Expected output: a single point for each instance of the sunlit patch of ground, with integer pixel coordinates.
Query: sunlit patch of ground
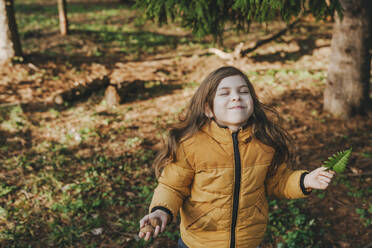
(81, 171)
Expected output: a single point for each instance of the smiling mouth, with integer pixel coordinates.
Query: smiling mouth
(237, 107)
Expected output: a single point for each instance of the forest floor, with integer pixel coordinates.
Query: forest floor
(78, 173)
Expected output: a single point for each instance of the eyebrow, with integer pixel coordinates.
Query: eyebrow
(227, 88)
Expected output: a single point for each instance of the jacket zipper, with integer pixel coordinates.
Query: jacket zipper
(236, 187)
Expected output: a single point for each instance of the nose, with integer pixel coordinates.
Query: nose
(235, 97)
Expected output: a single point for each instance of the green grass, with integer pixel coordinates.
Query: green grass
(52, 195)
(68, 199)
(109, 29)
(62, 198)
(291, 226)
(285, 76)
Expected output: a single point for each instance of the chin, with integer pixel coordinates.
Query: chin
(239, 121)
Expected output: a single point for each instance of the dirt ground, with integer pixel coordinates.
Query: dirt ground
(289, 74)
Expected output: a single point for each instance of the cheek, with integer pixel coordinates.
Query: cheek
(218, 102)
(249, 100)
(250, 106)
(218, 109)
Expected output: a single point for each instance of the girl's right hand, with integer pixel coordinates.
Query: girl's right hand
(160, 215)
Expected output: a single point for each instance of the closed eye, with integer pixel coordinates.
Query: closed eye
(223, 93)
(244, 89)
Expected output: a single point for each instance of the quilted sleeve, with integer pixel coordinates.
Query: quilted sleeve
(286, 183)
(174, 185)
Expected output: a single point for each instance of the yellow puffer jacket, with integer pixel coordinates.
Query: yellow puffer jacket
(218, 183)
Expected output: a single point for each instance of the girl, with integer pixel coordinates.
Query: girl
(220, 164)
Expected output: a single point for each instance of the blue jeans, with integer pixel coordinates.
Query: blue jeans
(181, 244)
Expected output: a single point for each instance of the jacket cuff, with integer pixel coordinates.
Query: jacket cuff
(165, 210)
(302, 185)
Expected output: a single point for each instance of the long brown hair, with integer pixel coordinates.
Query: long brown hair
(194, 119)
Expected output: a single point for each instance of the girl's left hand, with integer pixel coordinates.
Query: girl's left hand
(318, 178)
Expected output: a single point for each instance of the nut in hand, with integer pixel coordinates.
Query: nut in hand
(147, 228)
(155, 222)
(151, 228)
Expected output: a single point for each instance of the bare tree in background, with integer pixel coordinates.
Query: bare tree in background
(62, 13)
(10, 44)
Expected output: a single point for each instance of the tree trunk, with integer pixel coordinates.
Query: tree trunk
(10, 44)
(347, 89)
(62, 13)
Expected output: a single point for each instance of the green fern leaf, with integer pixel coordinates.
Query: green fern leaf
(338, 161)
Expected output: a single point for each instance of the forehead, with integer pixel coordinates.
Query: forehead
(232, 82)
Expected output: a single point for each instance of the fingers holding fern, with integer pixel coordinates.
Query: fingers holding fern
(319, 178)
(338, 161)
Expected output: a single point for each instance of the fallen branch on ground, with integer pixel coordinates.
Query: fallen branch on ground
(271, 38)
(81, 91)
(238, 49)
(368, 173)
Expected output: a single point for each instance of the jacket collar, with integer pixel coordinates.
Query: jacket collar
(224, 134)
